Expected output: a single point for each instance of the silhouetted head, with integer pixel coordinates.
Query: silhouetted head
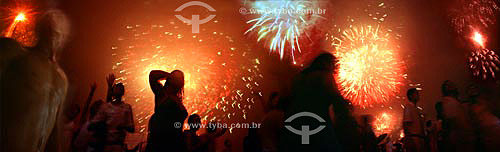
(118, 90)
(176, 81)
(413, 95)
(449, 89)
(324, 62)
(194, 122)
(273, 98)
(94, 108)
(52, 29)
(473, 90)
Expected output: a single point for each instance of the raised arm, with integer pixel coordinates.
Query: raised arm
(154, 77)
(83, 118)
(111, 81)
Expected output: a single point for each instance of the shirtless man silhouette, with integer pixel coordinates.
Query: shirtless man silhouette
(33, 87)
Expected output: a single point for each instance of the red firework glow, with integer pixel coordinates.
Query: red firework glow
(482, 61)
(370, 71)
(22, 27)
(21, 17)
(220, 75)
(466, 13)
(383, 124)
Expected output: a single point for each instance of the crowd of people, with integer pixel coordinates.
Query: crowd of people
(108, 122)
(463, 123)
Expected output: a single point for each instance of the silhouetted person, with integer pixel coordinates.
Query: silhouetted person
(86, 139)
(413, 123)
(168, 111)
(193, 141)
(118, 117)
(99, 133)
(227, 146)
(272, 123)
(313, 90)
(84, 135)
(9, 50)
(486, 124)
(345, 125)
(368, 137)
(69, 126)
(432, 135)
(33, 87)
(460, 131)
(270, 103)
(251, 142)
(442, 129)
(211, 135)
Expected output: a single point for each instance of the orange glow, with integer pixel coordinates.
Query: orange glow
(20, 17)
(21, 28)
(370, 71)
(220, 75)
(383, 124)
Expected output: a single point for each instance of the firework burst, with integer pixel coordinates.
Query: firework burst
(20, 17)
(21, 27)
(282, 23)
(383, 123)
(370, 71)
(482, 61)
(469, 13)
(220, 75)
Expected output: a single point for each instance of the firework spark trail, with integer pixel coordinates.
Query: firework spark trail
(478, 13)
(370, 71)
(220, 76)
(282, 23)
(482, 61)
(22, 26)
(473, 16)
(21, 17)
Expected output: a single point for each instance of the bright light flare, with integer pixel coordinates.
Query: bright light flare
(478, 39)
(370, 71)
(20, 17)
(21, 27)
(282, 23)
(383, 123)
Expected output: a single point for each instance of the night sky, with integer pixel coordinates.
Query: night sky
(432, 50)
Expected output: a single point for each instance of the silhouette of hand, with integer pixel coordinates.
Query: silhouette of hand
(111, 80)
(93, 86)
